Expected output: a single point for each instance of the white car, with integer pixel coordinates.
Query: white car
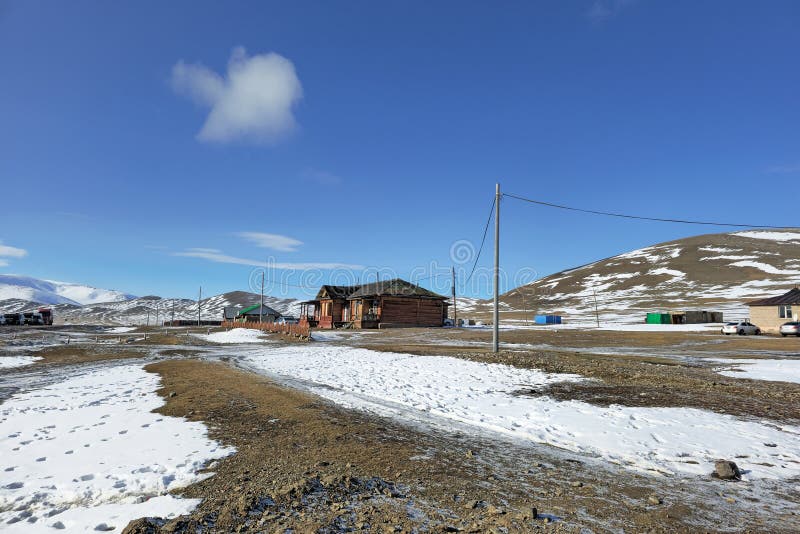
(791, 328)
(742, 328)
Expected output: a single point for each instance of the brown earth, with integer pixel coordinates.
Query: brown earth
(309, 466)
(305, 465)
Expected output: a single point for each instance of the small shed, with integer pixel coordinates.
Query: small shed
(702, 316)
(659, 318)
(547, 319)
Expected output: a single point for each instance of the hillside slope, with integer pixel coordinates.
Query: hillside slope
(709, 272)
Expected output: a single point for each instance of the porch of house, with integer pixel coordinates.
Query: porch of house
(340, 313)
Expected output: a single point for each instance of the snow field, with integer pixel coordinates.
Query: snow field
(773, 370)
(87, 454)
(235, 335)
(7, 362)
(665, 440)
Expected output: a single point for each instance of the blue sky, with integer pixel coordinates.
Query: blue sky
(155, 146)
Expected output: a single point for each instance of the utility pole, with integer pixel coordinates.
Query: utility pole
(173, 312)
(156, 323)
(148, 317)
(596, 313)
(496, 317)
(455, 310)
(261, 308)
(199, 298)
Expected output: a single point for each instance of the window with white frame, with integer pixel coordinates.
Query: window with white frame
(785, 312)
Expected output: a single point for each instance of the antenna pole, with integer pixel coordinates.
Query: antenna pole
(199, 298)
(455, 310)
(496, 313)
(261, 308)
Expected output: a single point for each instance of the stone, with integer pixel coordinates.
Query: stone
(655, 501)
(726, 470)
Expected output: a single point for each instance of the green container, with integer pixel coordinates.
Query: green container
(659, 318)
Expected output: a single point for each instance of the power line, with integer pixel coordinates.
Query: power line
(625, 216)
(478, 256)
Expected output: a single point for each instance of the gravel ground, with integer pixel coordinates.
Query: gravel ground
(305, 465)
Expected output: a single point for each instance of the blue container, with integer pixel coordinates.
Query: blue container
(547, 319)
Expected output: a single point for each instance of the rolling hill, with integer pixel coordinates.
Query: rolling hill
(707, 272)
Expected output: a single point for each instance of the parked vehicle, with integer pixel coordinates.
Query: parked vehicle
(743, 328)
(14, 318)
(792, 328)
(47, 315)
(287, 319)
(33, 318)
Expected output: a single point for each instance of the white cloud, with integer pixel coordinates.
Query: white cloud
(319, 177)
(218, 256)
(3, 263)
(253, 103)
(12, 252)
(603, 10)
(784, 169)
(281, 243)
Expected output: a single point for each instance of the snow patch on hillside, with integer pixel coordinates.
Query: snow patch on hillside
(767, 268)
(770, 236)
(53, 292)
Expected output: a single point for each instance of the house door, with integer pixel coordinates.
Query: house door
(346, 311)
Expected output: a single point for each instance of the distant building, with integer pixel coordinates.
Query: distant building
(229, 312)
(770, 313)
(390, 303)
(685, 317)
(251, 314)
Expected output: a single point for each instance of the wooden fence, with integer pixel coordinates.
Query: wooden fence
(300, 330)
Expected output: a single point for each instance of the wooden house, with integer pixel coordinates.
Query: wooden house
(385, 304)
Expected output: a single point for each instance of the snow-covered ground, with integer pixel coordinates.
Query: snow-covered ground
(235, 335)
(87, 454)
(7, 362)
(666, 440)
(774, 370)
(121, 329)
(341, 335)
(620, 326)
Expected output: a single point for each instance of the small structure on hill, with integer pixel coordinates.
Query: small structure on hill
(390, 303)
(770, 313)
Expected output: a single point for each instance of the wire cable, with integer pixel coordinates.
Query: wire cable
(480, 249)
(625, 216)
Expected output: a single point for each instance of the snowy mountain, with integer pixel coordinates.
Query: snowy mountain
(153, 309)
(708, 272)
(53, 292)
